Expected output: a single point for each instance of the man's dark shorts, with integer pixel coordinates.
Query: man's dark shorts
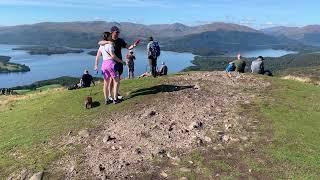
(119, 68)
(131, 67)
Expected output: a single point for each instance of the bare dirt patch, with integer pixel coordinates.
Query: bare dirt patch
(190, 111)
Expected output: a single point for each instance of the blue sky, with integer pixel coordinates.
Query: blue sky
(254, 13)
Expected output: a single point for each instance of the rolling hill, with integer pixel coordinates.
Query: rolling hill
(210, 38)
(307, 34)
(221, 41)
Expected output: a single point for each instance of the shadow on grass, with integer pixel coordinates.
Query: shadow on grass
(157, 89)
(96, 104)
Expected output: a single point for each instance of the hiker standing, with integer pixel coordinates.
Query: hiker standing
(153, 50)
(239, 64)
(257, 67)
(108, 68)
(130, 63)
(118, 45)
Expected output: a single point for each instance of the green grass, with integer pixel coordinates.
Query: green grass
(313, 73)
(295, 114)
(43, 117)
(30, 130)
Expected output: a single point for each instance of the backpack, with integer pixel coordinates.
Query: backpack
(154, 49)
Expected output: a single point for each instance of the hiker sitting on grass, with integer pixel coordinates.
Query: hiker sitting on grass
(163, 70)
(87, 80)
(239, 64)
(257, 67)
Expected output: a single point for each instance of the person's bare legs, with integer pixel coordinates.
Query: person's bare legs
(116, 83)
(106, 89)
(111, 84)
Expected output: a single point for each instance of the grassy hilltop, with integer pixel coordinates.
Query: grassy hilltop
(278, 122)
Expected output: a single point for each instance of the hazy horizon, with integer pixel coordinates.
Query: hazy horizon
(157, 24)
(257, 14)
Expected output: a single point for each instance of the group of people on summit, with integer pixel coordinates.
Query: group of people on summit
(239, 65)
(113, 64)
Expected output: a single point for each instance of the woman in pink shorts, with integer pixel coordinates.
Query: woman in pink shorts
(107, 68)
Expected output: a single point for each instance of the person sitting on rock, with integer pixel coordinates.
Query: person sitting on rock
(239, 64)
(257, 67)
(230, 68)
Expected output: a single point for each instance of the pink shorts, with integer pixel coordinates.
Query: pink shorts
(107, 69)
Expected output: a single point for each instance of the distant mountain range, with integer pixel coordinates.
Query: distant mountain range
(307, 34)
(203, 39)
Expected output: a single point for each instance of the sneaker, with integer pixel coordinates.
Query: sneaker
(120, 97)
(108, 101)
(110, 98)
(117, 101)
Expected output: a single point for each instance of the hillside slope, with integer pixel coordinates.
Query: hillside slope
(192, 125)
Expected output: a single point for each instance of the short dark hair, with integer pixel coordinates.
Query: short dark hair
(150, 38)
(114, 29)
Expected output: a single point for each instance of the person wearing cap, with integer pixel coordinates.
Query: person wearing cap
(130, 63)
(118, 44)
(239, 64)
(257, 67)
(163, 69)
(86, 79)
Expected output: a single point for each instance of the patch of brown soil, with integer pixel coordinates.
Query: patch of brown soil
(197, 110)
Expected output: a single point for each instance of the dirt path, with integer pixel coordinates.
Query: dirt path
(191, 111)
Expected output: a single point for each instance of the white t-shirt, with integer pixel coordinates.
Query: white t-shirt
(106, 51)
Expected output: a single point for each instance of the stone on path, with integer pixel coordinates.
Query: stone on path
(37, 176)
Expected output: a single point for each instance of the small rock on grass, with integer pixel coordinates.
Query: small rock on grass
(164, 174)
(183, 178)
(195, 125)
(84, 133)
(183, 169)
(207, 139)
(152, 113)
(37, 176)
(225, 138)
